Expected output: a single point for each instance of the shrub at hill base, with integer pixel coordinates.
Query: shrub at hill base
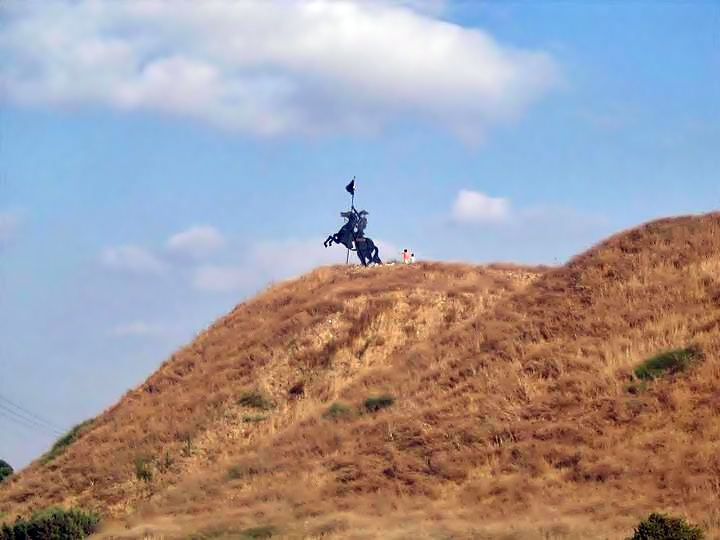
(5, 470)
(52, 524)
(663, 527)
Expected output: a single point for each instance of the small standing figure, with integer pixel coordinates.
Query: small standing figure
(412, 258)
(405, 256)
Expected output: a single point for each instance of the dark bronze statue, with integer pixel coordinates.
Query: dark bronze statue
(352, 236)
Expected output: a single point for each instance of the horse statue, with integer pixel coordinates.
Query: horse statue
(346, 234)
(352, 236)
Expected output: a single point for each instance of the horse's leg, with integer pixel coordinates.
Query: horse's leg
(334, 239)
(360, 247)
(367, 254)
(372, 252)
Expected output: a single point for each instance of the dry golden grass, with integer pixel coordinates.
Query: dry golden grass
(512, 416)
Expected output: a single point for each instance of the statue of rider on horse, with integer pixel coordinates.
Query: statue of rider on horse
(352, 234)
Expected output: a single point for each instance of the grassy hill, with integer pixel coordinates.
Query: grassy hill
(433, 401)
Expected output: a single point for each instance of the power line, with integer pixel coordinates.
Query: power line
(14, 423)
(20, 432)
(29, 427)
(26, 422)
(30, 413)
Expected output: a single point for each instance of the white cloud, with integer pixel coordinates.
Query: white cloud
(219, 278)
(277, 260)
(268, 68)
(140, 329)
(196, 242)
(476, 207)
(268, 261)
(132, 258)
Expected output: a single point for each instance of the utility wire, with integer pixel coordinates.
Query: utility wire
(15, 422)
(30, 413)
(9, 414)
(27, 422)
(19, 432)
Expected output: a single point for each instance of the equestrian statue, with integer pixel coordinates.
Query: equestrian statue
(352, 233)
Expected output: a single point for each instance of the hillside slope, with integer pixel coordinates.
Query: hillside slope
(516, 413)
(298, 345)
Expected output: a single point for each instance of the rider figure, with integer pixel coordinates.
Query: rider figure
(361, 222)
(350, 225)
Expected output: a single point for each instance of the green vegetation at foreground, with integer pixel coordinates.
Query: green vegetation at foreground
(52, 524)
(664, 527)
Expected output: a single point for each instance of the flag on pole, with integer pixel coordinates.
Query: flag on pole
(350, 188)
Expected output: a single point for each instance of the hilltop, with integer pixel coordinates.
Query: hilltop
(439, 400)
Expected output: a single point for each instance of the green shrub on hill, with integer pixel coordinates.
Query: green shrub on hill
(143, 468)
(664, 527)
(668, 362)
(374, 404)
(267, 531)
(5, 470)
(63, 442)
(260, 532)
(234, 472)
(52, 524)
(256, 401)
(337, 411)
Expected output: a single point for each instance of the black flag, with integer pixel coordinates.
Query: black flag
(350, 188)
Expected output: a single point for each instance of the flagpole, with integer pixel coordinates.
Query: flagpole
(352, 205)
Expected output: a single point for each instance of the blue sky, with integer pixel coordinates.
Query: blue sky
(159, 164)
